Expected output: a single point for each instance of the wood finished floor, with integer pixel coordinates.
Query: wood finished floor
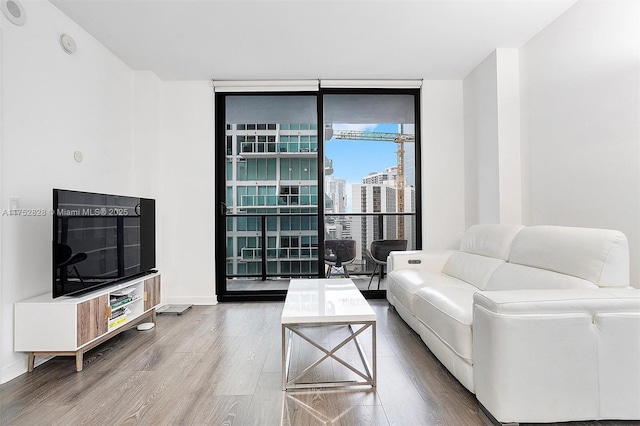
(221, 365)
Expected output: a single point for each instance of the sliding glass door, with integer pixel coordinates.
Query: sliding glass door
(289, 181)
(373, 188)
(270, 205)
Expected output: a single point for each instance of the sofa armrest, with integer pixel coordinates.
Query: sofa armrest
(431, 260)
(547, 355)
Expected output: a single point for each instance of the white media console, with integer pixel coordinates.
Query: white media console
(70, 325)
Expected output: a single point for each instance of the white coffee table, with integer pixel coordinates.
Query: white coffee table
(327, 302)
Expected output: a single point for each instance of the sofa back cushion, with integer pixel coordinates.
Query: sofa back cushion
(510, 276)
(482, 249)
(472, 268)
(600, 256)
(490, 240)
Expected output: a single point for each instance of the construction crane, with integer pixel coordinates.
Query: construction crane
(398, 138)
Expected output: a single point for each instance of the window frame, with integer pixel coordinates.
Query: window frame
(220, 184)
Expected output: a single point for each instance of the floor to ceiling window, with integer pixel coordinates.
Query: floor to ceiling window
(370, 142)
(281, 156)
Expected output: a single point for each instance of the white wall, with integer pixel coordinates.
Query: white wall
(509, 151)
(580, 84)
(187, 171)
(482, 197)
(53, 104)
(492, 140)
(4, 339)
(147, 110)
(443, 173)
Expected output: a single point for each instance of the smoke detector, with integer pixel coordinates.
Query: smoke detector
(68, 43)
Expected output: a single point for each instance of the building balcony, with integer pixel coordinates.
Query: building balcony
(263, 149)
(278, 201)
(281, 254)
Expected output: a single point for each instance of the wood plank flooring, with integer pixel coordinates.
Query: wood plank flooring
(221, 365)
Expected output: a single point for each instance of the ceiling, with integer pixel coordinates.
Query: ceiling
(310, 39)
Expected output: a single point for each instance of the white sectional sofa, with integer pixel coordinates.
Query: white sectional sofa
(539, 322)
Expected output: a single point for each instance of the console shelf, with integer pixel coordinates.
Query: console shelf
(71, 325)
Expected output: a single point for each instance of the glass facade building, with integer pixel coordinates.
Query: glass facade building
(271, 169)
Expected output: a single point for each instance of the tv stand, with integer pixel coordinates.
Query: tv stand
(70, 326)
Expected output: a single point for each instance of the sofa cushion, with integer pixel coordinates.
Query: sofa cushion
(407, 281)
(597, 255)
(490, 240)
(557, 301)
(509, 276)
(471, 268)
(447, 310)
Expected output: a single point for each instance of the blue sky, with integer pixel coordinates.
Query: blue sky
(354, 160)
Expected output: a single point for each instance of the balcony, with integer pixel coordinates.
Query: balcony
(278, 200)
(281, 149)
(304, 251)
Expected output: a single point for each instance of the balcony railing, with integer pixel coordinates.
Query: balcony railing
(303, 261)
(278, 147)
(298, 253)
(278, 200)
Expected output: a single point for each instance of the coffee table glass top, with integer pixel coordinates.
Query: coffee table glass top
(325, 300)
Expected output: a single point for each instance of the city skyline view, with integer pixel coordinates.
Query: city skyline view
(354, 160)
(347, 154)
(272, 169)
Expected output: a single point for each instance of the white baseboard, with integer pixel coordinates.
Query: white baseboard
(19, 368)
(11, 371)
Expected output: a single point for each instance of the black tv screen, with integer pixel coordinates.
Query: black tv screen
(100, 239)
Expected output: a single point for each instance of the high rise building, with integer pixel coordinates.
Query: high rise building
(336, 190)
(388, 175)
(371, 198)
(271, 168)
(337, 227)
(379, 198)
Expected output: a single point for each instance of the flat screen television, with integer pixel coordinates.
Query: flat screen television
(100, 239)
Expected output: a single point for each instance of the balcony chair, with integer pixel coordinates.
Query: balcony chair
(379, 251)
(338, 254)
(66, 259)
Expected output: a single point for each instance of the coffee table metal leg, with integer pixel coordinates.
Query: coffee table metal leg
(361, 352)
(286, 354)
(284, 357)
(369, 375)
(374, 346)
